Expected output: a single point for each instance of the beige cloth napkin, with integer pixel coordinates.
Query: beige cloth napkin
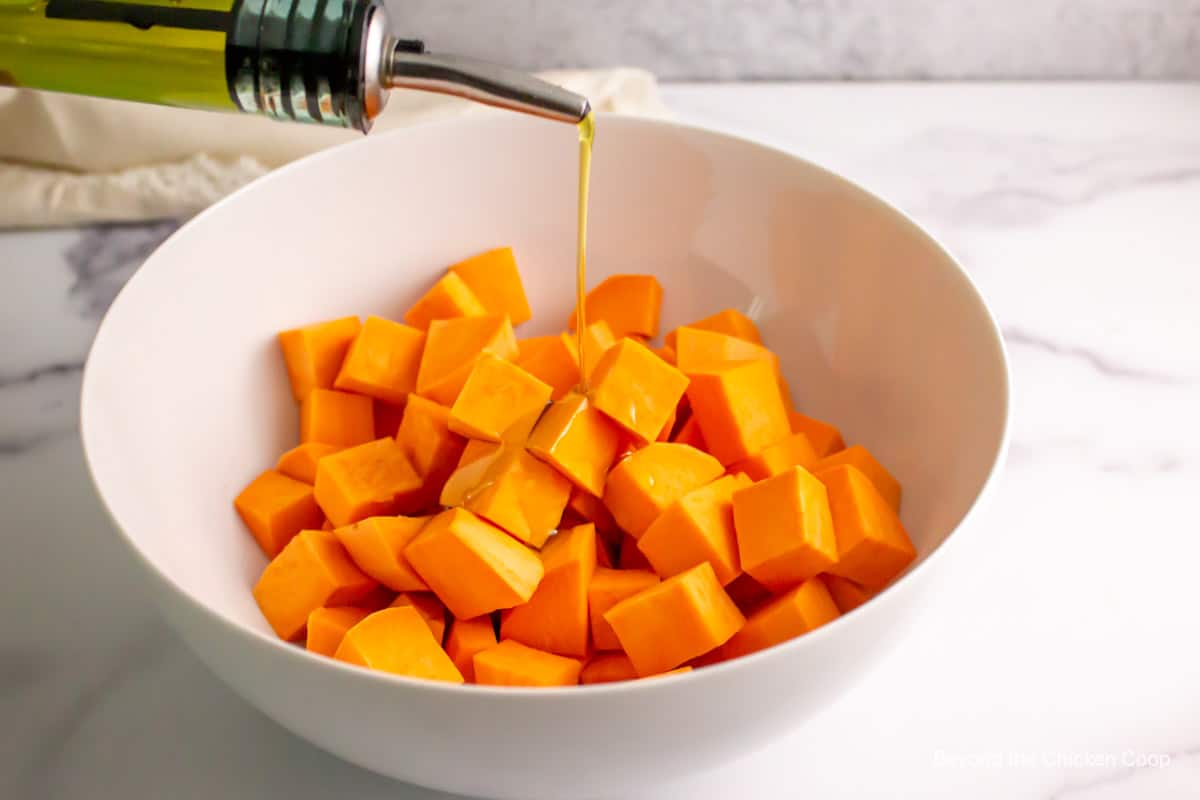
(66, 160)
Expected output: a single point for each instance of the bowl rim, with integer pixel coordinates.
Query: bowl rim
(301, 655)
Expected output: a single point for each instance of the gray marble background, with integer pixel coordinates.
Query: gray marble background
(834, 39)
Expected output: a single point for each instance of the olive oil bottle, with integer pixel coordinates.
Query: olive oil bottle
(320, 61)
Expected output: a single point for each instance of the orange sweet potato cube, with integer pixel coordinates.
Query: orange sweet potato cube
(628, 446)
(686, 668)
(697, 527)
(429, 607)
(607, 588)
(613, 667)
(382, 361)
(510, 488)
(696, 349)
(604, 551)
(387, 418)
(493, 277)
(671, 622)
(665, 434)
(474, 451)
(578, 441)
(861, 459)
(313, 354)
(848, 595)
(640, 487)
(382, 597)
(477, 468)
(555, 618)
(449, 298)
(453, 346)
(597, 340)
(431, 447)
(785, 392)
(792, 451)
(630, 557)
(708, 659)
(398, 640)
(336, 418)
(873, 547)
(730, 321)
(300, 463)
(376, 544)
(689, 433)
(637, 389)
(311, 571)
(747, 593)
(825, 438)
(327, 627)
(608, 668)
(511, 663)
(275, 508)
(522, 495)
(630, 304)
(667, 353)
(795, 612)
(738, 407)
(590, 508)
(371, 480)
(550, 359)
(466, 638)
(784, 529)
(474, 567)
(500, 402)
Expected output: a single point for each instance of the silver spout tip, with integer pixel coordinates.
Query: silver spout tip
(484, 83)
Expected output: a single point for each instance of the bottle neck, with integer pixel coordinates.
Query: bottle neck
(314, 61)
(328, 62)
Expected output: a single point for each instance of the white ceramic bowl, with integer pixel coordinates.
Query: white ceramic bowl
(185, 400)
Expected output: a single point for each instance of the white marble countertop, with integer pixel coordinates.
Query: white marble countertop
(854, 39)
(1065, 660)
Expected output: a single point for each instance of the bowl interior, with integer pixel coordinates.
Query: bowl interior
(186, 399)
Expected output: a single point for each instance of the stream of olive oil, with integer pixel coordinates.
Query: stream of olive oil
(469, 482)
(587, 132)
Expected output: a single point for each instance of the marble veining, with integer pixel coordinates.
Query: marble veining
(106, 256)
(1029, 179)
(1130, 782)
(39, 397)
(1067, 643)
(1017, 337)
(41, 400)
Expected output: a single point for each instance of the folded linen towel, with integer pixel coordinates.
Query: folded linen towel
(67, 160)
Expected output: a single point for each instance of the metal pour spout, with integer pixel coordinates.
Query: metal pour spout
(480, 81)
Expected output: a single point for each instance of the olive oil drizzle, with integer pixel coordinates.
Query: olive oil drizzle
(469, 482)
(587, 132)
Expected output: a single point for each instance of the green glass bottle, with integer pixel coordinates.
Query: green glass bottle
(319, 61)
